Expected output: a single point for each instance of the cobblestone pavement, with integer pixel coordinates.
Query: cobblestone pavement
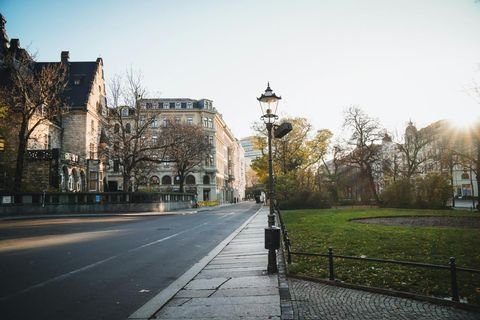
(311, 300)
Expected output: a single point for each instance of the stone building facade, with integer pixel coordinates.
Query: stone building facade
(66, 154)
(221, 177)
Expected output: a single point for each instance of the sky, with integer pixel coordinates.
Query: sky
(399, 61)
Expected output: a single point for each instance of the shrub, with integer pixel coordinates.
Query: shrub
(430, 192)
(305, 200)
(399, 194)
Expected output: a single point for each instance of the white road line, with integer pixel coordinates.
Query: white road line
(90, 266)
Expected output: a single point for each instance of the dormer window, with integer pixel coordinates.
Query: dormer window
(189, 105)
(177, 105)
(125, 112)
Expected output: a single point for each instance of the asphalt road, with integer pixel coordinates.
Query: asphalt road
(102, 267)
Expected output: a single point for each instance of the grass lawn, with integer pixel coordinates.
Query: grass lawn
(317, 230)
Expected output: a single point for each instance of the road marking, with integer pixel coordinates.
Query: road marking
(166, 238)
(156, 303)
(95, 264)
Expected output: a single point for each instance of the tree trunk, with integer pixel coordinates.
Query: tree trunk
(126, 181)
(22, 148)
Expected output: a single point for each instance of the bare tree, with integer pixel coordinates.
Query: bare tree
(33, 96)
(412, 150)
(364, 143)
(133, 130)
(331, 171)
(189, 147)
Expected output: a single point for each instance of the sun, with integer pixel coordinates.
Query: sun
(464, 121)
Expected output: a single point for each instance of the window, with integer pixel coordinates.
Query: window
(177, 105)
(210, 123)
(205, 122)
(92, 126)
(92, 181)
(154, 123)
(165, 105)
(189, 120)
(172, 105)
(206, 179)
(93, 175)
(154, 140)
(124, 112)
(149, 105)
(209, 161)
(189, 105)
(166, 180)
(128, 128)
(210, 140)
(142, 121)
(45, 141)
(92, 151)
(77, 82)
(165, 122)
(190, 180)
(465, 176)
(154, 180)
(2, 144)
(116, 128)
(177, 119)
(184, 105)
(116, 165)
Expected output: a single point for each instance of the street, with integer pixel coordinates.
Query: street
(102, 267)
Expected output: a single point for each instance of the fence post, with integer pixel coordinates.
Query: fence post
(453, 278)
(287, 243)
(330, 264)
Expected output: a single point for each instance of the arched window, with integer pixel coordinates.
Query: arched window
(128, 128)
(166, 180)
(190, 180)
(116, 129)
(154, 180)
(206, 179)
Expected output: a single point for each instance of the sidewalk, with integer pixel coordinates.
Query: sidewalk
(232, 285)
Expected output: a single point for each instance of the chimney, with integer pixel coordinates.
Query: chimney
(65, 56)
(14, 44)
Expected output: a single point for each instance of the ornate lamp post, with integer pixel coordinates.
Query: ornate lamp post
(269, 104)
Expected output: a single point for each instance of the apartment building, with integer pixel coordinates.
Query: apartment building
(220, 177)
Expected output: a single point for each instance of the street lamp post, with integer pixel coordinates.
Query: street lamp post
(269, 103)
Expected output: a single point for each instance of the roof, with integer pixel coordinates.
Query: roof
(80, 80)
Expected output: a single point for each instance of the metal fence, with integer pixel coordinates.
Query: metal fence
(331, 256)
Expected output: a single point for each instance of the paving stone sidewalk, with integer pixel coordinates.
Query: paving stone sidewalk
(311, 300)
(234, 285)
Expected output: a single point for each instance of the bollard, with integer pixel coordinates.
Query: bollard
(330, 264)
(453, 278)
